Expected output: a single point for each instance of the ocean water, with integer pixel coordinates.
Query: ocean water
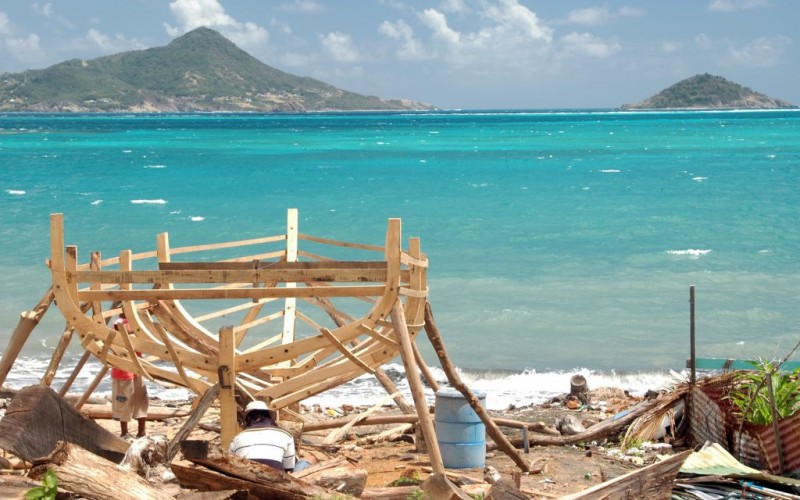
(558, 241)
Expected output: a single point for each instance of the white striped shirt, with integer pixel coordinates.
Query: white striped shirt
(269, 445)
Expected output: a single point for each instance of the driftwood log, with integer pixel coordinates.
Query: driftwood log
(93, 477)
(103, 412)
(224, 471)
(38, 418)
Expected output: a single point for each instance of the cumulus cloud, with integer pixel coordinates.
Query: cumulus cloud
(760, 53)
(592, 16)
(340, 47)
(453, 6)
(306, 6)
(24, 48)
(734, 5)
(586, 44)
(410, 48)
(107, 44)
(191, 14)
(596, 16)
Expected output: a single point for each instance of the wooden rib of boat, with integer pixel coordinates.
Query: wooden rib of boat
(291, 323)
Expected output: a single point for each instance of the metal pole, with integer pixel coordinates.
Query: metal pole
(692, 353)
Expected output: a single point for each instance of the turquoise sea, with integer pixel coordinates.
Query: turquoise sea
(558, 240)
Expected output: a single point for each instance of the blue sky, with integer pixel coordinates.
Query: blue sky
(471, 54)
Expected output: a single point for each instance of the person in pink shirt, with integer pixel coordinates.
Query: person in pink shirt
(128, 393)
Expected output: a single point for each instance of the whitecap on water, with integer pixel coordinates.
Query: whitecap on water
(196, 218)
(97, 202)
(15, 192)
(158, 201)
(690, 252)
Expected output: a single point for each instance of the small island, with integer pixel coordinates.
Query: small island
(708, 92)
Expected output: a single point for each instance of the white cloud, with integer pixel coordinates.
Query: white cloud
(306, 6)
(515, 19)
(5, 24)
(586, 44)
(24, 48)
(411, 48)
(437, 22)
(45, 10)
(592, 16)
(340, 47)
(192, 14)
(453, 6)
(760, 53)
(704, 41)
(734, 5)
(669, 47)
(109, 45)
(631, 12)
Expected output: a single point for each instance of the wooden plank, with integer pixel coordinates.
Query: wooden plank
(736, 364)
(206, 401)
(227, 244)
(346, 352)
(227, 293)
(215, 275)
(336, 243)
(276, 265)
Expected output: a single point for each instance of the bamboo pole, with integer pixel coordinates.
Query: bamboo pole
(455, 380)
(407, 354)
(27, 322)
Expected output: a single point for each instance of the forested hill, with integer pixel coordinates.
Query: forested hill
(199, 71)
(709, 92)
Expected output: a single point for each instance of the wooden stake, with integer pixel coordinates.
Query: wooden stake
(229, 425)
(27, 322)
(407, 354)
(455, 380)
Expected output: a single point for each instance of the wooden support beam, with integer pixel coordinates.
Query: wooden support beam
(27, 322)
(205, 403)
(455, 380)
(406, 353)
(231, 293)
(229, 424)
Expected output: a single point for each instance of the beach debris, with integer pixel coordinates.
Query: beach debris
(147, 456)
(653, 481)
(569, 425)
(38, 418)
(338, 474)
(579, 389)
(215, 469)
(92, 477)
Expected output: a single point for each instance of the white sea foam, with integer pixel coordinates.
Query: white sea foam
(690, 252)
(127, 151)
(155, 166)
(158, 201)
(610, 171)
(699, 179)
(196, 218)
(15, 192)
(97, 202)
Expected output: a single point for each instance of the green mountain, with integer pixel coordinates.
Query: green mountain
(708, 92)
(199, 71)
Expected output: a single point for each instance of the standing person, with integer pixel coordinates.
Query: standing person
(128, 393)
(264, 442)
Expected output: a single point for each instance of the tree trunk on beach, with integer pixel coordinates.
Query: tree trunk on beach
(93, 477)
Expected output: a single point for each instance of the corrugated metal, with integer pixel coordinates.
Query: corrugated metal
(707, 422)
(711, 420)
(789, 429)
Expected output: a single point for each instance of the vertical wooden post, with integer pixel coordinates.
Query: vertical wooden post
(226, 369)
(692, 352)
(290, 303)
(414, 382)
(775, 428)
(75, 371)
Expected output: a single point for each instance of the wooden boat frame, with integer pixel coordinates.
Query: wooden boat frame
(174, 347)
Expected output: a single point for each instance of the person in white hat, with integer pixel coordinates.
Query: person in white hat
(264, 442)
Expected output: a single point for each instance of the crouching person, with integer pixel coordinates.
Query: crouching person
(264, 442)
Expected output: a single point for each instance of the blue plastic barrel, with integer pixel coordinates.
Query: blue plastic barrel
(460, 433)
